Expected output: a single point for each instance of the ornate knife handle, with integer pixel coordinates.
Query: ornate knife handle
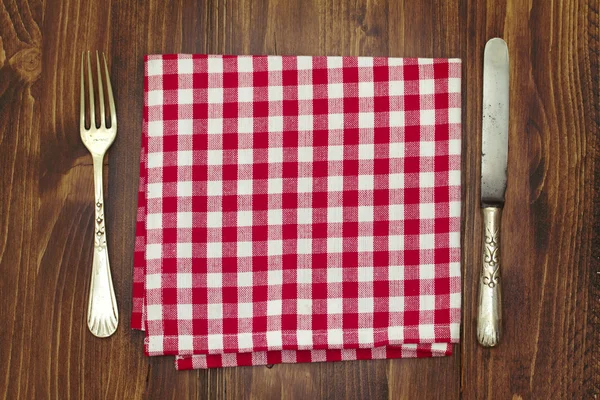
(103, 316)
(489, 319)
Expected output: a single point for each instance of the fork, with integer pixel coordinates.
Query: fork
(102, 315)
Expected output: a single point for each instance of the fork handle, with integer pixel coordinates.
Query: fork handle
(103, 315)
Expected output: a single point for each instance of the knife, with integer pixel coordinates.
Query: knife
(494, 158)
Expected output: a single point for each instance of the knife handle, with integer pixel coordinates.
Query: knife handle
(489, 319)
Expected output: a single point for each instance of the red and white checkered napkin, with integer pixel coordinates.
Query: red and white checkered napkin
(298, 209)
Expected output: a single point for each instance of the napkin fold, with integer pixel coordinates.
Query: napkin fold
(298, 209)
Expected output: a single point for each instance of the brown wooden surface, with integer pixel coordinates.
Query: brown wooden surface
(551, 221)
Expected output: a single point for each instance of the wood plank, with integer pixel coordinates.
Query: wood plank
(19, 115)
(592, 93)
(547, 228)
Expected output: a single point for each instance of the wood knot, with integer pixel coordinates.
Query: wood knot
(359, 17)
(2, 53)
(538, 167)
(370, 30)
(27, 64)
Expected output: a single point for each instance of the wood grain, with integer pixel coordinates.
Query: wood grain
(551, 240)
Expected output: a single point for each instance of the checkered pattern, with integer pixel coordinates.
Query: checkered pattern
(298, 209)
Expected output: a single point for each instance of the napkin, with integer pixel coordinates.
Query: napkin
(298, 209)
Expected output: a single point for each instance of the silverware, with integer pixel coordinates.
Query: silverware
(103, 316)
(494, 158)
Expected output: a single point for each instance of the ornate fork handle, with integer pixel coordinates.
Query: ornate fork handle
(103, 317)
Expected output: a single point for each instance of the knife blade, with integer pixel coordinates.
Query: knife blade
(494, 161)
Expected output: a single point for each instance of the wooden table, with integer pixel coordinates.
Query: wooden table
(551, 222)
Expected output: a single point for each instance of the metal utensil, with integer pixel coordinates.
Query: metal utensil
(494, 157)
(103, 316)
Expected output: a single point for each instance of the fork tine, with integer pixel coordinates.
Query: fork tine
(111, 99)
(82, 97)
(91, 93)
(101, 93)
